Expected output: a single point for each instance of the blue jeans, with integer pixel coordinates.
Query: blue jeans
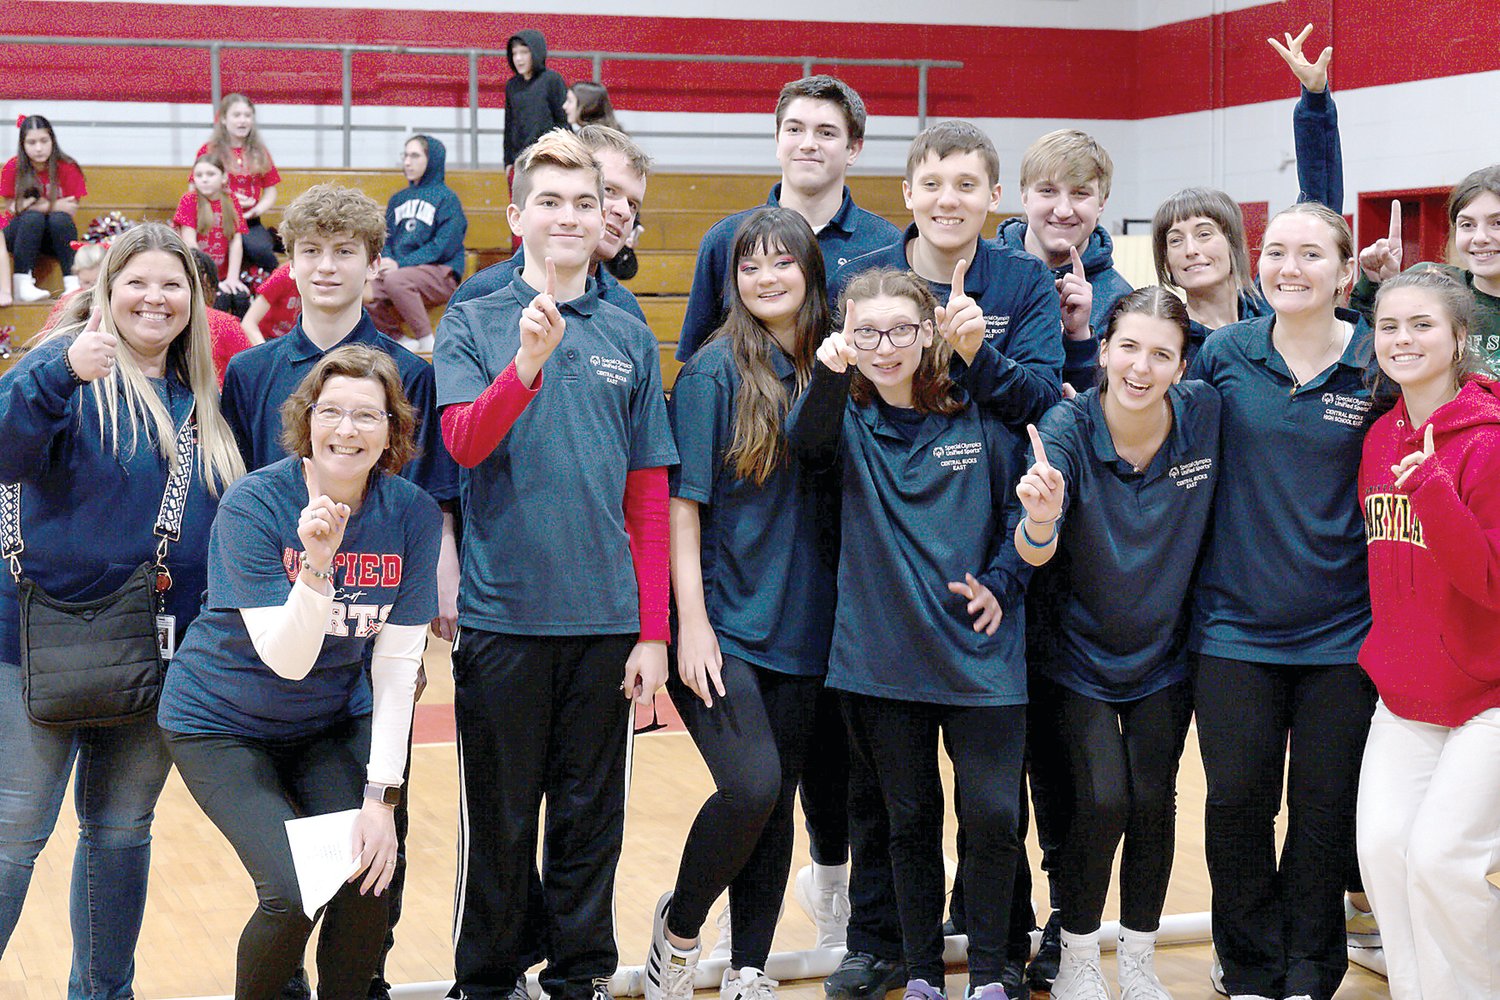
(121, 771)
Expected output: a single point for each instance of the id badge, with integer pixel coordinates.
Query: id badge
(166, 636)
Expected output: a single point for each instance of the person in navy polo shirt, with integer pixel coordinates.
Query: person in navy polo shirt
(753, 537)
(820, 130)
(1120, 494)
(929, 629)
(335, 234)
(553, 405)
(626, 167)
(1281, 608)
(318, 563)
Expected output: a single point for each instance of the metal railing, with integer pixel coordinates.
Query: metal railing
(597, 58)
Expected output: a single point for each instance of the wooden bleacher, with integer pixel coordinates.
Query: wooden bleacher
(678, 210)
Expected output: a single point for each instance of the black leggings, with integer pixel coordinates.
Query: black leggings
(249, 789)
(259, 247)
(31, 234)
(825, 783)
(899, 740)
(754, 740)
(1122, 758)
(1279, 926)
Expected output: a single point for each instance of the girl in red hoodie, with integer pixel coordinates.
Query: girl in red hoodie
(1429, 793)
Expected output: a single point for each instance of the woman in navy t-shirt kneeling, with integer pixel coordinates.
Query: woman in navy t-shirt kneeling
(318, 564)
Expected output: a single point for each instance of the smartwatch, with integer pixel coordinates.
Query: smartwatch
(388, 794)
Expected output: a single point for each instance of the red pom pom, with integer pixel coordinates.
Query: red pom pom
(20, 120)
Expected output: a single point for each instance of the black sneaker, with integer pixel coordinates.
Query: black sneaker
(862, 976)
(1043, 968)
(1013, 978)
(379, 990)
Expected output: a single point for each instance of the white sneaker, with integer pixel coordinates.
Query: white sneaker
(826, 906)
(1136, 968)
(723, 947)
(25, 289)
(669, 970)
(1079, 976)
(748, 984)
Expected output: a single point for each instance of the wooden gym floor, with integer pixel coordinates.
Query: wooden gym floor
(200, 896)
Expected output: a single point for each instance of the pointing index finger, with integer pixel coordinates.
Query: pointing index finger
(1395, 232)
(960, 272)
(310, 473)
(551, 289)
(849, 320)
(1077, 263)
(1036, 446)
(1427, 439)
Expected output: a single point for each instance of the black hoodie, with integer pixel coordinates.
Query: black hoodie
(535, 106)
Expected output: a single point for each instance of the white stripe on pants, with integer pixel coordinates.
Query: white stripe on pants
(1429, 832)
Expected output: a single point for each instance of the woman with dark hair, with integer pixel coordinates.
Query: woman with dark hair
(95, 418)
(318, 564)
(588, 103)
(1119, 494)
(753, 581)
(44, 186)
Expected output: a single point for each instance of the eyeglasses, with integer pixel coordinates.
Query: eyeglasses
(867, 338)
(329, 415)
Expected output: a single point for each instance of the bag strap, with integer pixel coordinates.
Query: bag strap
(168, 526)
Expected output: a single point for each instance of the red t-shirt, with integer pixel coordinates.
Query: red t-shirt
(280, 290)
(240, 181)
(214, 242)
(69, 177)
(229, 339)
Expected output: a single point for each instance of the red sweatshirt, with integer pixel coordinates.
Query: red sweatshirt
(1434, 547)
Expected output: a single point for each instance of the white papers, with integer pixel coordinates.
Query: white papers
(323, 855)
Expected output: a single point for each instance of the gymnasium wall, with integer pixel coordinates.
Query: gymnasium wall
(1181, 91)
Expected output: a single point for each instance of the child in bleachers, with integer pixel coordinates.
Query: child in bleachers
(252, 175)
(44, 186)
(229, 339)
(588, 103)
(86, 262)
(208, 220)
(274, 310)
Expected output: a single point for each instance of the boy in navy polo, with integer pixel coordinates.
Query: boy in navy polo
(1065, 180)
(626, 167)
(334, 235)
(820, 130)
(952, 183)
(552, 403)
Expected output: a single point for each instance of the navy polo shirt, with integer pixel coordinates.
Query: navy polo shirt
(1251, 306)
(1128, 544)
(385, 573)
(1283, 577)
(852, 232)
(1022, 321)
(921, 507)
(545, 550)
(497, 276)
(88, 508)
(768, 570)
(259, 380)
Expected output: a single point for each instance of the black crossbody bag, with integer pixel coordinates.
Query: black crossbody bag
(99, 662)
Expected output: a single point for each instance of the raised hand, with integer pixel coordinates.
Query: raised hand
(837, 349)
(1381, 260)
(92, 353)
(961, 321)
(542, 328)
(1077, 299)
(321, 526)
(1314, 75)
(983, 605)
(1041, 489)
(1408, 465)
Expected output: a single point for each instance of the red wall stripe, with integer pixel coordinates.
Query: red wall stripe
(1219, 61)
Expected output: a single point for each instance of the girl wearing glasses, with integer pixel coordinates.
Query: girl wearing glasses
(928, 633)
(1117, 502)
(752, 573)
(319, 562)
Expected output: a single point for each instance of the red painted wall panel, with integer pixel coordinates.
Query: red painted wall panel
(1009, 72)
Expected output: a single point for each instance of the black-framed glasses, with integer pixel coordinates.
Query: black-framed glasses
(867, 338)
(363, 418)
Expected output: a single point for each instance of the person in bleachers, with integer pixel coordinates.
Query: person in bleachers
(423, 258)
(43, 186)
(588, 103)
(252, 175)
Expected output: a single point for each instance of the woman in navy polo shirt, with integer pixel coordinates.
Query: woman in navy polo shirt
(318, 563)
(1282, 606)
(753, 577)
(928, 640)
(1133, 466)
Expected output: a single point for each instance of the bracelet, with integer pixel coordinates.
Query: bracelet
(68, 364)
(1032, 541)
(324, 574)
